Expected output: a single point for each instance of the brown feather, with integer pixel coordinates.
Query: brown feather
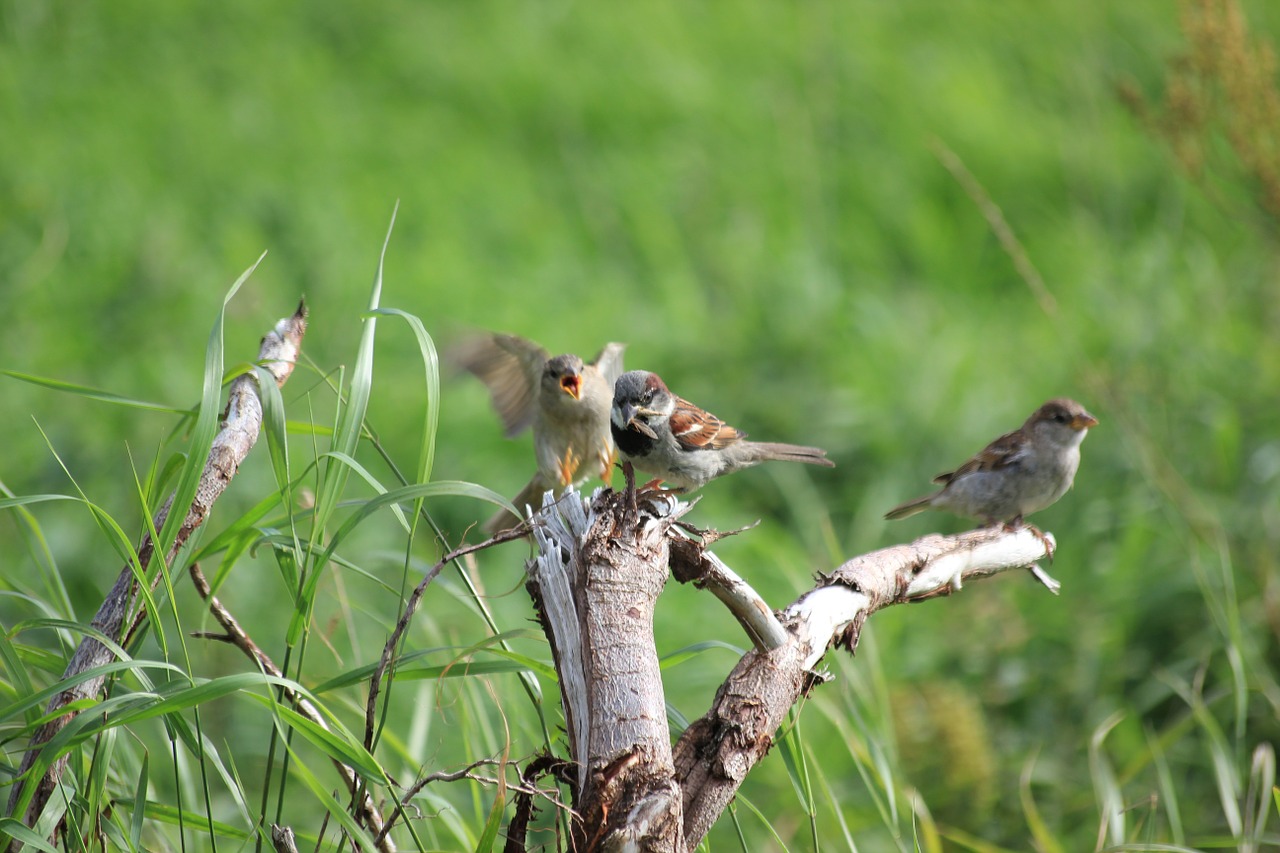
(510, 367)
(696, 429)
(998, 454)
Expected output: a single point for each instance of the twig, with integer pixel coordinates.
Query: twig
(518, 828)
(282, 839)
(716, 752)
(236, 636)
(691, 562)
(411, 606)
(467, 772)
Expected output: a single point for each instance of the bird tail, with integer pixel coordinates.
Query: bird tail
(766, 450)
(909, 508)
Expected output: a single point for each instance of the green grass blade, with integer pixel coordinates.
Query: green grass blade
(335, 743)
(206, 423)
(372, 481)
(94, 393)
(273, 423)
(1106, 789)
(18, 679)
(493, 825)
(682, 655)
(1168, 793)
(39, 699)
(15, 829)
(38, 546)
(337, 811)
(1262, 778)
(791, 745)
(973, 844)
(352, 412)
(139, 798)
(1045, 840)
(172, 816)
(751, 807)
(404, 494)
(431, 380)
(837, 807)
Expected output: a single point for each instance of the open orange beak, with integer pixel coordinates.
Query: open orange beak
(572, 386)
(1084, 421)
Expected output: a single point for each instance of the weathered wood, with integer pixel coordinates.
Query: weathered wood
(600, 569)
(717, 751)
(596, 581)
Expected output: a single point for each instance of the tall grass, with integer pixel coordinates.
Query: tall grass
(754, 202)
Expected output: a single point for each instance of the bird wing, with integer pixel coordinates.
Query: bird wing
(511, 368)
(1006, 450)
(609, 362)
(696, 429)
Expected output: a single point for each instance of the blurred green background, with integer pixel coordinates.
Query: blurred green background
(752, 197)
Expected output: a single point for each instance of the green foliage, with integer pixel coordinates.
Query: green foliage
(757, 199)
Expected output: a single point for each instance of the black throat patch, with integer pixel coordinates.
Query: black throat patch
(632, 442)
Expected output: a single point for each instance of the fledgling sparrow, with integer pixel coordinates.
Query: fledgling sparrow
(565, 400)
(1017, 474)
(679, 443)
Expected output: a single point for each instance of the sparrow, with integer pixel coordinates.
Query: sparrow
(565, 400)
(1017, 474)
(682, 445)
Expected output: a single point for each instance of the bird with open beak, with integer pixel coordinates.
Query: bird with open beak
(564, 399)
(682, 445)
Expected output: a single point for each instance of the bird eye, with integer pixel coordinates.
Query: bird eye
(1060, 417)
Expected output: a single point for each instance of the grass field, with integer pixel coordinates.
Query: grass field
(768, 203)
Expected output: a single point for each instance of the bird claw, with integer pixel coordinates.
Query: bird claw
(1049, 549)
(1016, 523)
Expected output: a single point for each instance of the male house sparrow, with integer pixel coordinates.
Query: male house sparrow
(674, 440)
(1017, 474)
(566, 401)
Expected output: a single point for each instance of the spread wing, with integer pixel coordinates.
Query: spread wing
(609, 362)
(1006, 450)
(511, 368)
(695, 429)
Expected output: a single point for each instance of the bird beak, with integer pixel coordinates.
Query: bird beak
(1084, 421)
(572, 385)
(628, 413)
(642, 427)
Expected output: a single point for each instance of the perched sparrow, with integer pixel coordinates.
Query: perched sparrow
(1018, 473)
(674, 440)
(565, 400)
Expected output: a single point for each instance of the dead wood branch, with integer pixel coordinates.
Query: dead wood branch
(594, 583)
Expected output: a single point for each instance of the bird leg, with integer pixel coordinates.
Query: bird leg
(1017, 523)
(607, 462)
(568, 467)
(629, 492)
